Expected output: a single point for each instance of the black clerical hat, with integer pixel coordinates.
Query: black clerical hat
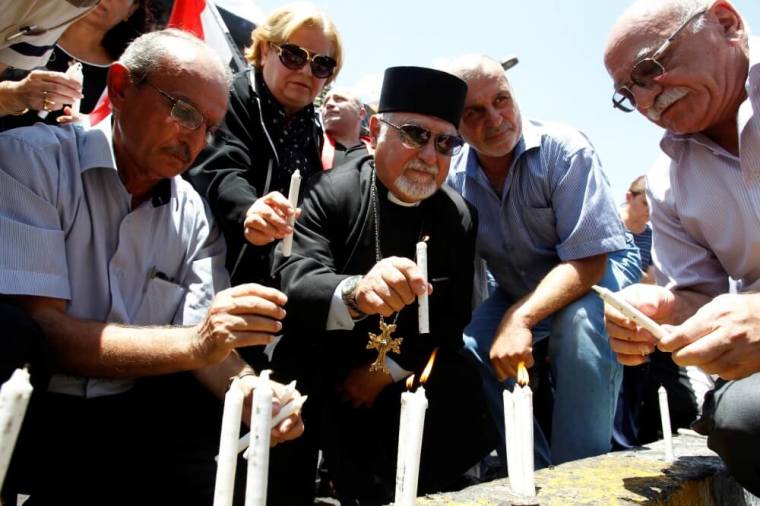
(423, 91)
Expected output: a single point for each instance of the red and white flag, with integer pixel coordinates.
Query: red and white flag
(202, 19)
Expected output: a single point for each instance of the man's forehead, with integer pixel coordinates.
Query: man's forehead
(485, 86)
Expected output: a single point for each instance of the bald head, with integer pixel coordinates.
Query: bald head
(491, 121)
(342, 115)
(681, 63)
(171, 49)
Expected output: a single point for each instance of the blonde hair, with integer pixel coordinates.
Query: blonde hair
(285, 21)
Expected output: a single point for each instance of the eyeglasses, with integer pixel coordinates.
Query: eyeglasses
(415, 137)
(645, 71)
(295, 57)
(185, 113)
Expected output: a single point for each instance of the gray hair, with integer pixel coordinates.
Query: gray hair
(474, 65)
(157, 52)
(385, 116)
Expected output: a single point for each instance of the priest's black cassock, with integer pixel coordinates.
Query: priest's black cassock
(335, 238)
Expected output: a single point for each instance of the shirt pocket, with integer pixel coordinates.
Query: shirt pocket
(160, 302)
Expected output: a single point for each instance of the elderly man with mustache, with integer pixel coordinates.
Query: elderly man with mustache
(549, 229)
(118, 262)
(352, 272)
(692, 68)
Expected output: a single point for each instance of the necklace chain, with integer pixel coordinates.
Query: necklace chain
(376, 216)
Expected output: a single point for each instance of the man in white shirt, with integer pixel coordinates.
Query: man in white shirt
(704, 194)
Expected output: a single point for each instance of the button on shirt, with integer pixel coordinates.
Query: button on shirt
(705, 204)
(555, 206)
(68, 232)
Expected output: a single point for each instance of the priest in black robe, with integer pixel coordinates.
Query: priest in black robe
(352, 267)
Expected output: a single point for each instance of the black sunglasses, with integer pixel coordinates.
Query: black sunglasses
(295, 57)
(415, 137)
(645, 71)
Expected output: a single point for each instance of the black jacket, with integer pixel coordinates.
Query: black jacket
(334, 238)
(239, 167)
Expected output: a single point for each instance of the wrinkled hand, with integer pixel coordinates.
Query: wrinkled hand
(723, 337)
(630, 342)
(267, 219)
(392, 284)
(512, 344)
(244, 315)
(288, 429)
(361, 387)
(43, 90)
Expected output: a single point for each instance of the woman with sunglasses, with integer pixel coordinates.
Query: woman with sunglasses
(271, 130)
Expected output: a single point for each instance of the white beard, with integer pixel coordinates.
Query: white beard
(413, 189)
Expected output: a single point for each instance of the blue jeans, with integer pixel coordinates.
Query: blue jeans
(586, 376)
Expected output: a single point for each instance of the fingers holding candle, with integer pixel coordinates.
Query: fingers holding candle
(268, 219)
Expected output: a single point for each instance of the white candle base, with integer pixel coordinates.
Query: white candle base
(667, 433)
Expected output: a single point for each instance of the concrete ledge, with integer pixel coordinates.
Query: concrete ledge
(641, 476)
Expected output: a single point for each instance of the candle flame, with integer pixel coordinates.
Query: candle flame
(428, 367)
(426, 238)
(522, 374)
(410, 382)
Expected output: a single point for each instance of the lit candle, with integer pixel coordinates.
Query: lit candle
(258, 458)
(423, 315)
(416, 407)
(295, 185)
(667, 435)
(224, 489)
(518, 425)
(411, 429)
(403, 429)
(14, 398)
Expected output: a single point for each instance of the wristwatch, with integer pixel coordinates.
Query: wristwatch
(348, 293)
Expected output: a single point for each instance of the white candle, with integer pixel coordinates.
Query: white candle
(667, 434)
(518, 425)
(224, 489)
(75, 71)
(524, 414)
(287, 410)
(416, 406)
(423, 315)
(258, 458)
(14, 398)
(403, 429)
(513, 452)
(295, 185)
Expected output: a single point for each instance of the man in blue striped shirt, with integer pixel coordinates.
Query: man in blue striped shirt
(692, 68)
(548, 230)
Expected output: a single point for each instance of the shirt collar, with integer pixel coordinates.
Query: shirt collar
(96, 152)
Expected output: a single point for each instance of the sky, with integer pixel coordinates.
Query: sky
(560, 43)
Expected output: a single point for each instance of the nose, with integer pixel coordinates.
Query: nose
(494, 118)
(428, 153)
(646, 97)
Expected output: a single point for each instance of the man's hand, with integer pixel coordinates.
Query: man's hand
(288, 429)
(362, 386)
(390, 285)
(244, 315)
(512, 344)
(267, 219)
(630, 342)
(723, 337)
